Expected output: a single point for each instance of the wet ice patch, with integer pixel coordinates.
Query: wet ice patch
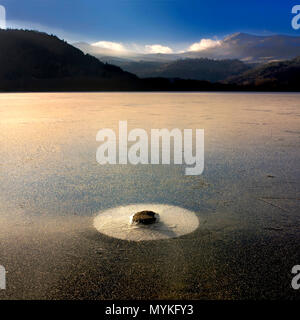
(173, 222)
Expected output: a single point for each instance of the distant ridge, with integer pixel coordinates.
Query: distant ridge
(31, 60)
(284, 75)
(197, 69)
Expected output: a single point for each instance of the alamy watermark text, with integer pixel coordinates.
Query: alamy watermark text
(2, 17)
(296, 18)
(138, 152)
(2, 278)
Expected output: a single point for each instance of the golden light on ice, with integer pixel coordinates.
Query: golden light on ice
(173, 222)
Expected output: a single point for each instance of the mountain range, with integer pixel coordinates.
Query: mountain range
(252, 48)
(233, 55)
(245, 47)
(36, 61)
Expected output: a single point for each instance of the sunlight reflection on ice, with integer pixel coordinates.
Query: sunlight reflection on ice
(174, 222)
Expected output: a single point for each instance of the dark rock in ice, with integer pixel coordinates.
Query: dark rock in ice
(144, 217)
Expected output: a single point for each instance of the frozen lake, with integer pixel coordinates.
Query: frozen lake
(247, 199)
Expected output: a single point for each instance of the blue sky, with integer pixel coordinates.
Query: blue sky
(169, 22)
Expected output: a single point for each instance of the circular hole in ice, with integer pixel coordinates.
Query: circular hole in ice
(173, 222)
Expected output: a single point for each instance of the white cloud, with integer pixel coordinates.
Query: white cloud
(204, 44)
(157, 48)
(131, 48)
(115, 46)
